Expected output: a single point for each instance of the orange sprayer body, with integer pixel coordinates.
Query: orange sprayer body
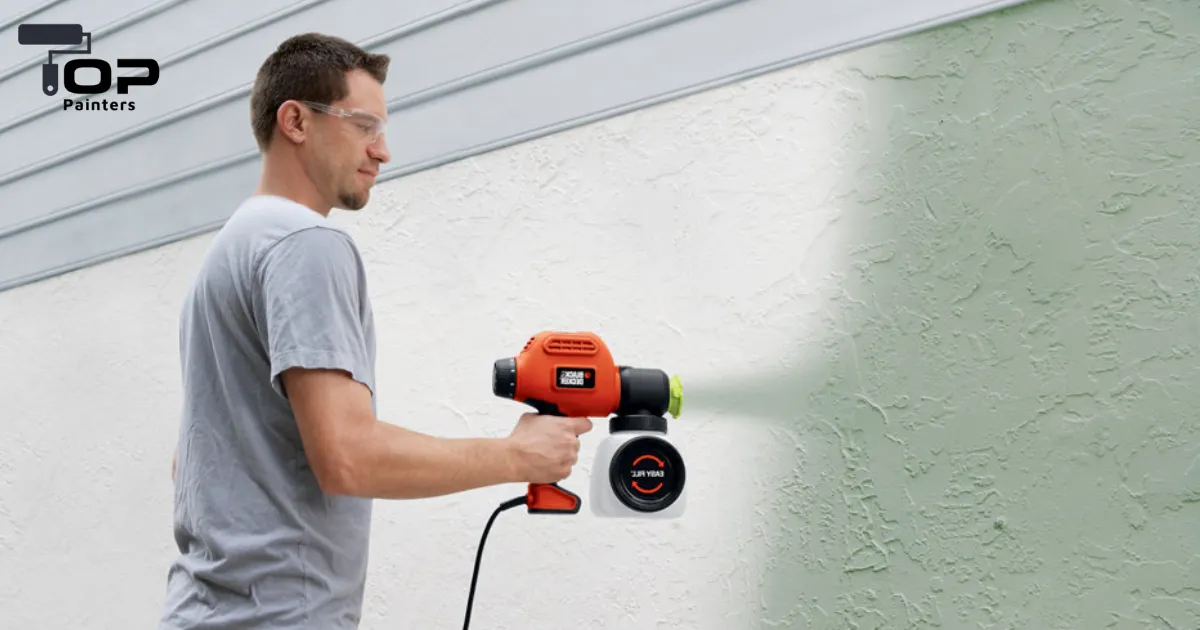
(568, 374)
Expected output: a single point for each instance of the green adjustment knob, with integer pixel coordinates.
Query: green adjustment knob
(676, 400)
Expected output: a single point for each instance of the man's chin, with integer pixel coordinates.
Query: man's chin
(354, 202)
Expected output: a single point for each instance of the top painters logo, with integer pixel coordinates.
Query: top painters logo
(74, 35)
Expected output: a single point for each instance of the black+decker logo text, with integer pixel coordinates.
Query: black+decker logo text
(576, 378)
(74, 35)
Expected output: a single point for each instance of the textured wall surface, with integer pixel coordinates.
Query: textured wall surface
(932, 302)
(997, 428)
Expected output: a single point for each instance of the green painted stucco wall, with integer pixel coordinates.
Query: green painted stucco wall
(1002, 428)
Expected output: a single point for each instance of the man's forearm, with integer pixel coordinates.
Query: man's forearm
(391, 462)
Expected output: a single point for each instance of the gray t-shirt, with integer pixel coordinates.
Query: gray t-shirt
(260, 545)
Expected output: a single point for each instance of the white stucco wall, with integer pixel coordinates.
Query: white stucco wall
(932, 302)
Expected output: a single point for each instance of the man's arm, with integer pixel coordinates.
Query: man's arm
(351, 452)
(312, 295)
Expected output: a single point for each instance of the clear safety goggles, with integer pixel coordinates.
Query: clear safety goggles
(371, 125)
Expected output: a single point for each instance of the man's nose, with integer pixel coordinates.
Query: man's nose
(379, 150)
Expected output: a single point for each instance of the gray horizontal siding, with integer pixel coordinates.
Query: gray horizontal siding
(77, 188)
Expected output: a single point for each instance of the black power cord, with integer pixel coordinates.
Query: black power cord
(507, 505)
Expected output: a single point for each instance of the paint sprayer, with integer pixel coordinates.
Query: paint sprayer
(638, 472)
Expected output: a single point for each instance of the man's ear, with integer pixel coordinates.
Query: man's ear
(292, 121)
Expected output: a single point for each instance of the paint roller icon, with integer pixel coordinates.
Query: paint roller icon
(54, 35)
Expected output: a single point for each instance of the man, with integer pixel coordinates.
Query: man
(280, 452)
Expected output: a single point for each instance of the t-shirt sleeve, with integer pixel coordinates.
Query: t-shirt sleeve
(311, 296)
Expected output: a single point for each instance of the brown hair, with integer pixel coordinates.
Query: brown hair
(310, 67)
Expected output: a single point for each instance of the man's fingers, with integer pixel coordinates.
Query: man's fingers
(582, 425)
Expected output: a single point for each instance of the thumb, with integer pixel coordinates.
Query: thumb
(582, 425)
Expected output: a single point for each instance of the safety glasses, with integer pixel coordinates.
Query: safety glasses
(369, 124)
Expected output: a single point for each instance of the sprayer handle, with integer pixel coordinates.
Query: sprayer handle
(549, 498)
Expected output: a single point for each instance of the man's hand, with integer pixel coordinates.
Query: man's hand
(547, 447)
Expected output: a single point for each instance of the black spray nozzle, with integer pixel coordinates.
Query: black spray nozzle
(649, 391)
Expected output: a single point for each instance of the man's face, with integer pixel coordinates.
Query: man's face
(344, 159)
